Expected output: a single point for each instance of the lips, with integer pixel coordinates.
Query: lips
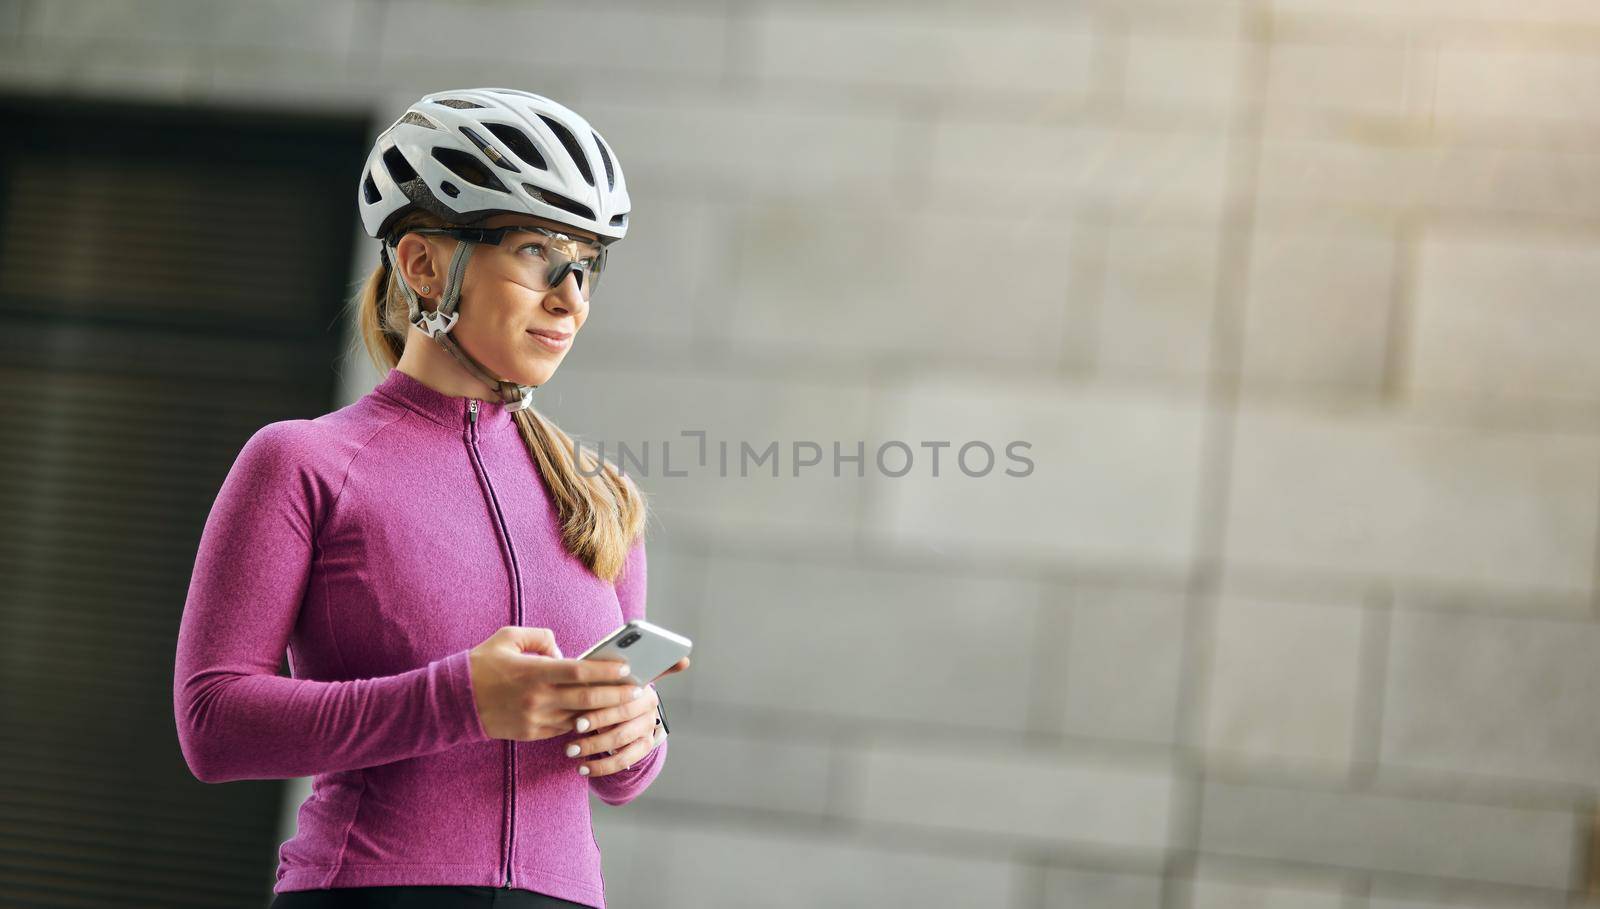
(552, 335)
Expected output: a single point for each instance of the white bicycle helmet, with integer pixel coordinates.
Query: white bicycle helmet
(467, 154)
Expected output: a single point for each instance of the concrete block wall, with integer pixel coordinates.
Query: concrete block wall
(1295, 302)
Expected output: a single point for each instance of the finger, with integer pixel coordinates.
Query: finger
(540, 641)
(595, 697)
(611, 740)
(594, 721)
(624, 759)
(583, 672)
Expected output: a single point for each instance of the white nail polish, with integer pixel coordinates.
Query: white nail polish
(572, 750)
(583, 724)
(583, 770)
(622, 671)
(636, 693)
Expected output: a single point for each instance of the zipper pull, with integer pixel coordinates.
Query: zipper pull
(472, 408)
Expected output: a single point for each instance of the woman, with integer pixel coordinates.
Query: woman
(428, 553)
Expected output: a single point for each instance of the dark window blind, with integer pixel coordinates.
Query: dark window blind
(170, 281)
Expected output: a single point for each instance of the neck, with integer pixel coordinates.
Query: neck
(430, 364)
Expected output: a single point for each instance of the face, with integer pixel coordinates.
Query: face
(501, 310)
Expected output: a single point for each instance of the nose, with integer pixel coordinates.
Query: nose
(569, 268)
(566, 296)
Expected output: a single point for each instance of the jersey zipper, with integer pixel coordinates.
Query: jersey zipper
(516, 589)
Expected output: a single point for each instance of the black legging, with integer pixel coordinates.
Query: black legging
(419, 897)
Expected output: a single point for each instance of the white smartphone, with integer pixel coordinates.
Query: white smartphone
(649, 650)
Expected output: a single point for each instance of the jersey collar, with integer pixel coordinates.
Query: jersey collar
(451, 411)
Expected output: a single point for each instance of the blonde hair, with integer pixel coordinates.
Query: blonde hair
(602, 512)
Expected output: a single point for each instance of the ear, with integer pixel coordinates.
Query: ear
(417, 260)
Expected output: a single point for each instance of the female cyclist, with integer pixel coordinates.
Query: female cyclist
(427, 554)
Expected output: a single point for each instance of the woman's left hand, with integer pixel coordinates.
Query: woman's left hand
(622, 734)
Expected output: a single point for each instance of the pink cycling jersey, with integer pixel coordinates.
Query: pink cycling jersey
(379, 543)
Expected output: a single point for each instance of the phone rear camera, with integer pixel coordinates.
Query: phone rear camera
(628, 638)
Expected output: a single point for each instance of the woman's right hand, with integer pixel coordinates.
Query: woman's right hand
(525, 691)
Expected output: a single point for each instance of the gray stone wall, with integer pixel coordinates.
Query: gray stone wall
(1295, 301)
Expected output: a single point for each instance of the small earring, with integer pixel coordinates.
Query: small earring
(427, 288)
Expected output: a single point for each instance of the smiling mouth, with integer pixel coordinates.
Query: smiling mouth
(551, 341)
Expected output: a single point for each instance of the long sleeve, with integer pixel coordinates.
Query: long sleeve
(624, 786)
(236, 717)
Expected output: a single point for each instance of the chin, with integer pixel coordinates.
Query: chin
(534, 375)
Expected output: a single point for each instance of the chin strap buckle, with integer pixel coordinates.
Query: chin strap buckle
(434, 324)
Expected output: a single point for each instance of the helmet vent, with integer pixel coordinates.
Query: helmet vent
(490, 151)
(559, 201)
(416, 119)
(399, 168)
(449, 188)
(571, 143)
(467, 168)
(611, 177)
(519, 143)
(459, 103)
(619, 220)
(369, 190)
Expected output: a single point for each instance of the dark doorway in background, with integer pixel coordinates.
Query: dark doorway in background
(170, 280)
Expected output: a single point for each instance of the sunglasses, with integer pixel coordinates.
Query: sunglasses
(545, 257)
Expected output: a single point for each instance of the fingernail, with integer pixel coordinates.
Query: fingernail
(583, 769)
(636, 693)
(572, 750)
(622, 671)
(583, 724)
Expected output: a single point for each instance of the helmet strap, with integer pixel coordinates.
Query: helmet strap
(437, 325)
